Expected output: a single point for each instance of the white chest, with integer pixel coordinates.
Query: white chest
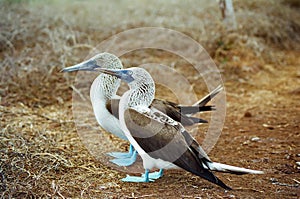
(107, 121)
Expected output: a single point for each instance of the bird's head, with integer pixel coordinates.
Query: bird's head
(139, 81)
(102, 60)
(135, 77)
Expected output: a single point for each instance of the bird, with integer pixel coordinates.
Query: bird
(105, 103)
(161, 142)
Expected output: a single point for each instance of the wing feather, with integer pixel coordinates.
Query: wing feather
(169, 142)
(167, 107)
(113, 107)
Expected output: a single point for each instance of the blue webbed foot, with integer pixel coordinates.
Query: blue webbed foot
(122, 155)
(143, 178)
(156, 175)
(136, 179)
(125, 161)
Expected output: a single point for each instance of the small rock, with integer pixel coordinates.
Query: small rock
(273, 180)
(298, 163)
(102, 187)
(256, 160)
(255, 139)
(247, 114)
(246, 142)
(268, 126)
(242, 130)
(265, 160)
(60, 100)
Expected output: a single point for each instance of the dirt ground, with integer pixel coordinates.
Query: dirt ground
(41, 152)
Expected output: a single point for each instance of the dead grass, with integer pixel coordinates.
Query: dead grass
(41, 153)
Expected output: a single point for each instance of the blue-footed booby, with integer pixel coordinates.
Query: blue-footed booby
(161, 141)
(105, 102)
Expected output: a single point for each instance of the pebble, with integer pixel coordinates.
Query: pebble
(242, 130)
(102, 187)
(268, 126)
(255, 139)
(247, 114)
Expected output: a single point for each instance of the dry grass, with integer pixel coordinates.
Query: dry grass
(41, 154)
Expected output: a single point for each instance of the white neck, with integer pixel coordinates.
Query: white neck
(142, 96)
(104, 87)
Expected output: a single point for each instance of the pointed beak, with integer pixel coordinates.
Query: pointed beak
(89, 65)
(125, 75)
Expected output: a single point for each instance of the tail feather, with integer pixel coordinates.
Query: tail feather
(198, 120)
(195, 109)
(208, 175)
(208, 97)
(214, 166)
(200, 106)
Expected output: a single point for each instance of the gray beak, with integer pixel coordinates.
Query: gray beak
(89, 65)
(125, 75)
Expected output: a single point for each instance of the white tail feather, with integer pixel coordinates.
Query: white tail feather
(214, 166)
(209, 96)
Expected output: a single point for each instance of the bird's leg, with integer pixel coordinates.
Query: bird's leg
(143, 178)
(125, 161)
(122, 154)
(156, 175)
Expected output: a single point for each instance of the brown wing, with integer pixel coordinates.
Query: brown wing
(113, 107)
(172, 110)
(165, 141)
(156, 138)
(164, 106)
(197, 149)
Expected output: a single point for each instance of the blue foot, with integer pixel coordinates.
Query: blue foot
(156, 175)
(143, 178)
(122, 154)
(125, 161)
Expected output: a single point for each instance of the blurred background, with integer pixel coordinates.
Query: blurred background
(257, 52)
